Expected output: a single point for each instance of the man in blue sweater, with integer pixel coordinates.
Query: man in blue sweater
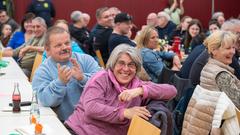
(60, 80)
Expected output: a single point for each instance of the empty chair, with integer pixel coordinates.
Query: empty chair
(100, 59)
(238, 115)
(37, 62)
(166, 75)
(182, 86)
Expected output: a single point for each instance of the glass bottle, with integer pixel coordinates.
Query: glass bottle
(182, 50)
(34, 110)
(16, 98)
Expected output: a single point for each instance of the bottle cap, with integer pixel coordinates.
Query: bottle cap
(33, 120)
(38, 128)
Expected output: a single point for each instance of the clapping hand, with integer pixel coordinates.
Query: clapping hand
(181, 1)
(64, 73)
(175, 3)
(76, 70)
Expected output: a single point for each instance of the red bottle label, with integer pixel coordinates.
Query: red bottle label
(16, 99)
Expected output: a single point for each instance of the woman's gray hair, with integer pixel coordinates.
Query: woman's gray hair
(124, 49)
(41, 21)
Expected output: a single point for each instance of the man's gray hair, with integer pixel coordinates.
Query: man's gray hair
(52, 31)
(124, 49)
(41, 21)
(76, 16)
(230, 25)
(164, 14)
(216, 15)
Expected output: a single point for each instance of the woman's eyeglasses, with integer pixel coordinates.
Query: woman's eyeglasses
(130, 65)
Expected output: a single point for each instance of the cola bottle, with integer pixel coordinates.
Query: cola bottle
(16, 98)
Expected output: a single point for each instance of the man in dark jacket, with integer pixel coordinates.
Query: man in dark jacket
(44, 9)
(123, 24)
(4, 18)
(77, 29)
(100, 33)
(165, 26)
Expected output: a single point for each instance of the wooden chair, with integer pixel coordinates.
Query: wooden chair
(140, 126)
(37, 62)
(100, 59)
(238, 115)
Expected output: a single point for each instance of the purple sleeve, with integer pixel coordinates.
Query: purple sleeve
(158, 91)
(95, 104)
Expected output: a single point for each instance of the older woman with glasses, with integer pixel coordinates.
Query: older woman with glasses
(113, 96)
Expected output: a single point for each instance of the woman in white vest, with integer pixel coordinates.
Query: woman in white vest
(217, 75)
(210, 111)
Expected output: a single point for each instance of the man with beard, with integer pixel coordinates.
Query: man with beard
(60, 80)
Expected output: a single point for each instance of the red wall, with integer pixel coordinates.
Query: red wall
(139, 9)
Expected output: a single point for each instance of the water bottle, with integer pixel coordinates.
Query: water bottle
(16, 98)
(34, 110)
(182, 51)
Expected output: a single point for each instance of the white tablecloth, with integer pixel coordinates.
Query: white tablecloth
(12, 71)
(51, 124)
(9, 120)
(6, 89)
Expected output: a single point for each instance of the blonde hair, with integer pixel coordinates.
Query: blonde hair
(143, 38)
(60, 21)
(219, 39)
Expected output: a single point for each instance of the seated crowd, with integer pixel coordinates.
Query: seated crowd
(97, 80)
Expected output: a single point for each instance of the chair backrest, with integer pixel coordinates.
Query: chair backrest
(37, 62)
(140, 126)
(238, 115)
(166, 75)
(100, 59)
(181, 85)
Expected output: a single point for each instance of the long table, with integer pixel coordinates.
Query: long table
(9, 121)
(12, 71)
(51, 125)
(6, 89)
